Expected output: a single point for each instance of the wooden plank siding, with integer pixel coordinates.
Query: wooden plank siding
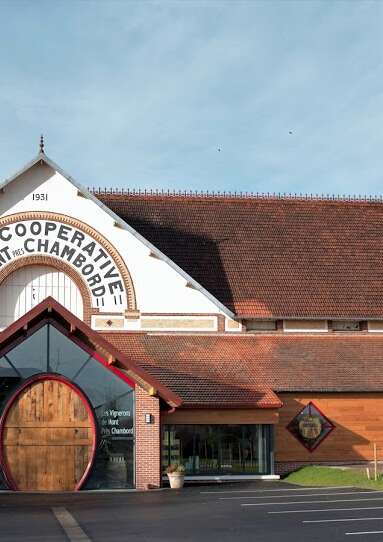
(358, 420)
(221, 416)
(48, 437)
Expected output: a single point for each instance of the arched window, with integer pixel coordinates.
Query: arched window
(28, 286)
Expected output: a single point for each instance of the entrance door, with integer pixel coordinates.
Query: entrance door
(48, 436)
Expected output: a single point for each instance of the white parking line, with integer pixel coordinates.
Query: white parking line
(69, 524)
(300, 495)
(266, 490)
(309, 511)
(336, 520)
(367, 532)
(310, 502)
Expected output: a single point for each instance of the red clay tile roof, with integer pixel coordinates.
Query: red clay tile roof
(267, 257)
(210, 369)
(202, 371)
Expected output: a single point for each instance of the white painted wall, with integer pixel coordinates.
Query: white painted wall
(306, 326)
(27, 287)
(159, 288)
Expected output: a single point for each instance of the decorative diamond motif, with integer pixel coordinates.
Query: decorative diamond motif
(310, 427)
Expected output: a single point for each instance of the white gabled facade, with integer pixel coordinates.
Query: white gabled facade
(46, 214)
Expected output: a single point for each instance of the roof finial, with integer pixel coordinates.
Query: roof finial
(42, 143)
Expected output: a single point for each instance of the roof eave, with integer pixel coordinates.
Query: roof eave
(231, 405)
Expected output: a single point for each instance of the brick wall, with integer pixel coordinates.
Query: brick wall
(148, 441)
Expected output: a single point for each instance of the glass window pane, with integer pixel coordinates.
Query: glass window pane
(30, 356)
(208, 453)
(165, 447)
(114, 458)
(9, 379)
(116, 417)
(114, 465)
(65, 357)
(7, 387)
(179, 446)
(217, 449)
(6, 370)
(100, 384)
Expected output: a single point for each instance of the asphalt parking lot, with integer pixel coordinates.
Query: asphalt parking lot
(257, 512)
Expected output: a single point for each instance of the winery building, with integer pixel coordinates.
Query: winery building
(241, 336)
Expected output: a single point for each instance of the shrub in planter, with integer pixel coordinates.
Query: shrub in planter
(176, 475)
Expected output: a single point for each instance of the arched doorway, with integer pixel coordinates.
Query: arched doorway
(28, 286)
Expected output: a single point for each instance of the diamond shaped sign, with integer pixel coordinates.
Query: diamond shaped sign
(310, 427)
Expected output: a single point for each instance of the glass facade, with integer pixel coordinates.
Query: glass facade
(48, 350)
(218, 449)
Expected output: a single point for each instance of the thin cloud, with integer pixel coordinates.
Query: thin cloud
(143, 94)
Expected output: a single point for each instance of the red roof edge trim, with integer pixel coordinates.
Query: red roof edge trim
(51, 306)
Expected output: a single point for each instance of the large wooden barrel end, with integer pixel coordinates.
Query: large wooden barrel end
(48, 436)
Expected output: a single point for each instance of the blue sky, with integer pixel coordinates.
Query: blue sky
(142, 94)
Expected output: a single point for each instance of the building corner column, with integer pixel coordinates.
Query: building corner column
(148, 440)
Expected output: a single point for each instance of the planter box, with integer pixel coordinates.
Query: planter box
(176, 480)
